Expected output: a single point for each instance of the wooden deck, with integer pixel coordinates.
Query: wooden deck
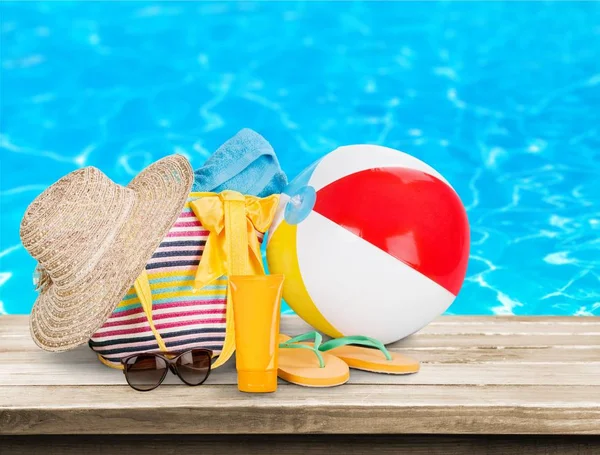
(481, 376)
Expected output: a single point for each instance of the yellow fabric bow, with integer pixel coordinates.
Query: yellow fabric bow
(232, 247)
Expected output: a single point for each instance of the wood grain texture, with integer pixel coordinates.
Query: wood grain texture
(347, 409)
(300, 445)
(480, 375)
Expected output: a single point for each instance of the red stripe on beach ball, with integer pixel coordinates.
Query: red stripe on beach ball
(411, 215)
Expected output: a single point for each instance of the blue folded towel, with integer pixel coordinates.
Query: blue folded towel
(246, 163)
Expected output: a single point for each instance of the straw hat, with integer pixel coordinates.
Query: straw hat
(92, 239)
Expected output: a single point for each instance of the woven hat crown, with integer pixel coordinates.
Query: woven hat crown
(66, 227)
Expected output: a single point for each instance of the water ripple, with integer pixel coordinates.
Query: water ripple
(502, 98)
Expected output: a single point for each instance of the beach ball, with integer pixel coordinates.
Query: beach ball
(372, 241)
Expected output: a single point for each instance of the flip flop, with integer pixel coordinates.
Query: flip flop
(303, 364)
(374, 357)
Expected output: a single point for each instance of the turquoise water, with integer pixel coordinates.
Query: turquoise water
(502, 98)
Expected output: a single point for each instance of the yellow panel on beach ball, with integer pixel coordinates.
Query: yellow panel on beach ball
(282, 258)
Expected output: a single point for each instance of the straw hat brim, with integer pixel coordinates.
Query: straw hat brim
(60, 322)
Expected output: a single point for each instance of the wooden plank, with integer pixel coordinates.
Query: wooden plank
(581, 333)
(421, 342)
(554, 355)
(492, 321)
(425, 342)
(459, 354)
(82, 368)
(17, 325)
(301, 445)
(348, 409)
(497, 341)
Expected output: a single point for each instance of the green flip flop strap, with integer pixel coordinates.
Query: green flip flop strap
(296, 342)
(357, 340)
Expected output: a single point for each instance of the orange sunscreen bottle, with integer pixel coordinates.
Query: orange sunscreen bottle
(256, 303)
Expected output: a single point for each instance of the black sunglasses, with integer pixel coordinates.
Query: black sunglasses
(145, 372)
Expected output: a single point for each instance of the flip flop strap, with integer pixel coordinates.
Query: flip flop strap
(357, 340)
(296, 343)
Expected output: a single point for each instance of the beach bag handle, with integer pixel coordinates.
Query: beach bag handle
(232, 248)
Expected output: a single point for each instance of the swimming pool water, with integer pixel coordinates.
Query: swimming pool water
(502, 98)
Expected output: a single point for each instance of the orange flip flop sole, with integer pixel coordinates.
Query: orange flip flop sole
(374, 361)
(301, 367)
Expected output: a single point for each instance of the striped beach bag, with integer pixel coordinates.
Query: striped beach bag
(180, 301)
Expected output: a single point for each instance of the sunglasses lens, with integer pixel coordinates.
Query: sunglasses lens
(193, 366)
(145, 372)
